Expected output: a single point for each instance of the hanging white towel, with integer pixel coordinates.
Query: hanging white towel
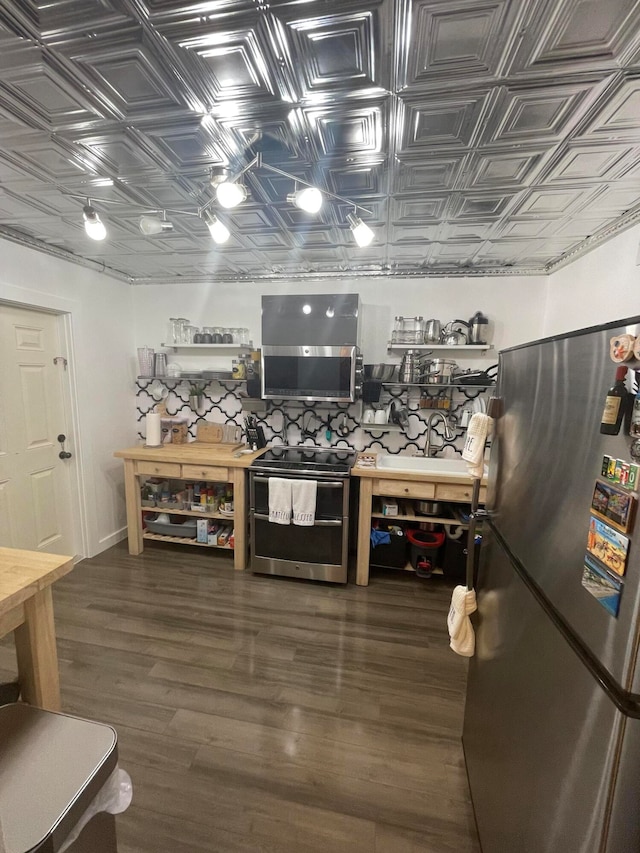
(279, 500)
(473, 451)
(461, 633)
(304, 494)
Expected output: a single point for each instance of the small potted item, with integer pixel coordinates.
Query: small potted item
(196, 396)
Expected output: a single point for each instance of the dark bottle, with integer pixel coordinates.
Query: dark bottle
(615, 404)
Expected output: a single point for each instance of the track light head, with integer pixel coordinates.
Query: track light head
(218, 230)
(150, 225)
(230, 194)
(308, 199)
(93, 225)
(362, 234)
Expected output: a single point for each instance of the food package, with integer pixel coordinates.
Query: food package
(621, 348)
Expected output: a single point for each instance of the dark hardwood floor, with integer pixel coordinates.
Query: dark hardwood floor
(263, 714)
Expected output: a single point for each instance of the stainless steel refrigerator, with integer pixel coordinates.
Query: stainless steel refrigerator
(552, 721)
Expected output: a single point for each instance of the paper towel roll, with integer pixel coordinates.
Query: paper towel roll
(153, 430)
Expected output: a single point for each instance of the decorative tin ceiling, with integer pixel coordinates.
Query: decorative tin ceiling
(482, 135)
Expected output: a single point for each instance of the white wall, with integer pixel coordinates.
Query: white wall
(100, 315)
(514, 304)
(599, 287)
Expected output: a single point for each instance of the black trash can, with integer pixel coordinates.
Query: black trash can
(53, 768)
(391, 555)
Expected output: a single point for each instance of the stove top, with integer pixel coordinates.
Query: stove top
(314, 460)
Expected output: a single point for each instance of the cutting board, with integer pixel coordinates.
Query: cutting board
(227, 434)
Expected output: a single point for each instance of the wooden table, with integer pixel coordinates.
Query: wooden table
(193, 461)
(26, 608)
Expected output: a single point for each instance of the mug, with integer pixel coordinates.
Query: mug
(368, 416)
(380, 416)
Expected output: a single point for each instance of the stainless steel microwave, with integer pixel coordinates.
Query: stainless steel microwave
(329, 374)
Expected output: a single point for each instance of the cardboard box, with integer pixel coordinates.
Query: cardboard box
(389, 506)
(202, 534)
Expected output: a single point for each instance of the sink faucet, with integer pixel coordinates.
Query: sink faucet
(449, 434)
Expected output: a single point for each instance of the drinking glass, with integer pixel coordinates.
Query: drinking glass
(145, 361)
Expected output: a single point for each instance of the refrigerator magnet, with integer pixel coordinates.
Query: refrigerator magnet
(608, 546)
(601, 585)
(613, 505)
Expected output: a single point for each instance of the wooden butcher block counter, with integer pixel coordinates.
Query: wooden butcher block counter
(399, 484)
(194, 461)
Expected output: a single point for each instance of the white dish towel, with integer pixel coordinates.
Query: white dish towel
(473, 451)
(304, 493)
(461, 633)
(279, 500)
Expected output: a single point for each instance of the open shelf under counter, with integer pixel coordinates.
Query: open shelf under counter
(184, 540)
(194, 513)
(406, 514)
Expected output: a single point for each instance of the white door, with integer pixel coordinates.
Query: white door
(35, 492)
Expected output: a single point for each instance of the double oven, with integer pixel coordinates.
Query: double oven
(319, 552)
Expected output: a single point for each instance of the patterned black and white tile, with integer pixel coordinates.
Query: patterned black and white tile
(321, 424)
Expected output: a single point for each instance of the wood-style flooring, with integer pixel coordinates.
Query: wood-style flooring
(266, 714)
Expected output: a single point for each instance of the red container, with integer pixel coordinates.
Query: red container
(423, 550)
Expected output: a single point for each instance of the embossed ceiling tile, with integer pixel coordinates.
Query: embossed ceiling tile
(340, 47)
(552, 202)
(359, 180)
(125, 153)
(525, 229)
(408, 235)
(126, 74)
(618, 118)
(245, 218)
(479, 205)
(410, 211)
(231, 63)
(265, 240)
(457, 251)
(575, 35)
(613, 201)
(470, 231)
(503, 252)
(187, 144)
(343, 132)
(453, 40)
(45, 157)
(579, 229)
(502, 168)
(427, 175)
(313, 237)
(540, 113)
(43, 97)
(62, 19)
(585, 162)
(630, 171)
(446, 121)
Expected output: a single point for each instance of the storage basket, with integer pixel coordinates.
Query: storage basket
(187, 529)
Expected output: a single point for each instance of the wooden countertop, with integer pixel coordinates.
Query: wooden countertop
(23, 573)
(195, 452)
(411, 476)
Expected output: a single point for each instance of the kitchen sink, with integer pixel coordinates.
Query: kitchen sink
(424, 465)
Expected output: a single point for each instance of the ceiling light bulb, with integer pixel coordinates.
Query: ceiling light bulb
(309, 199)
(217, 229)
(362, 234)
(230, 194)
(151, 225)
(93, 225)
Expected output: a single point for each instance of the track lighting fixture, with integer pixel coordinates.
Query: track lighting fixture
(230, 194)
(362, 234)
(93, 225)
(309, 199)
(150, 225)
(217, 229)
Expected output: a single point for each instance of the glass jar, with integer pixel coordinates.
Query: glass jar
(188, 334)
(227, 336)
(217, 335)
(207, 335)
(173, 331)
(181, 325)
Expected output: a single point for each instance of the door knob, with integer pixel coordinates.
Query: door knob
(64, 454)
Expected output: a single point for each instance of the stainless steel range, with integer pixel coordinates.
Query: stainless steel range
(319, 552)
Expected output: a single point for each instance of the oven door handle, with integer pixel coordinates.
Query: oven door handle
(322, 484)
(333, 522)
